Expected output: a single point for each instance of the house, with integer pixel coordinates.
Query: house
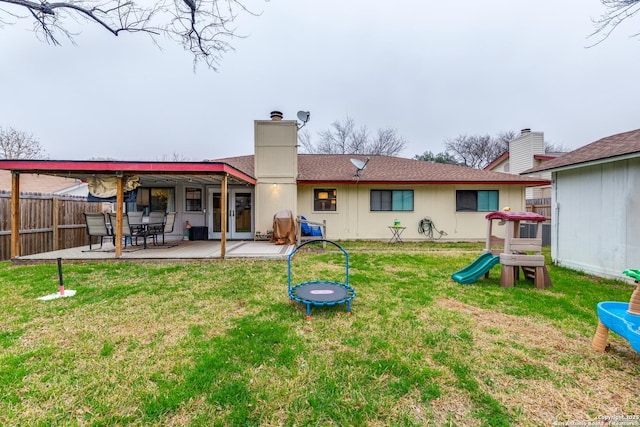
(46, 184)
(232, 198)
(526, 151)
(595, 200)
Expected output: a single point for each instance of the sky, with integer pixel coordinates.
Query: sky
(432, 70)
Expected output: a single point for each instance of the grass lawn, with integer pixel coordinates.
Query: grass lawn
(218, 343)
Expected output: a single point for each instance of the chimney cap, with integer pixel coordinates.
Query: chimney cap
(276, 115)
(525, 130)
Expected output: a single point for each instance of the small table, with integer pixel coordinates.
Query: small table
(147, 229)
(396, 232)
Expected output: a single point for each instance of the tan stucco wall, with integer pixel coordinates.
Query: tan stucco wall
(354, 220)
(276, 162)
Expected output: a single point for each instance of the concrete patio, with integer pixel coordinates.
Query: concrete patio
(179, 250)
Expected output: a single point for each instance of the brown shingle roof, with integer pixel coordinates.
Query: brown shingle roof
(380, 169)
(242, 163)
(30, 183)
(606, 148)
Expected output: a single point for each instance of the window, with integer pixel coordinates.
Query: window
(324, 199)
(153, 199)
(193, 199)
(476, 200)
(391, 200)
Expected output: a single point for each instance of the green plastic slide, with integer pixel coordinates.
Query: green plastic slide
(476, 269)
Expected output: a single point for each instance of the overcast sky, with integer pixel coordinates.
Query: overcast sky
(430, 69)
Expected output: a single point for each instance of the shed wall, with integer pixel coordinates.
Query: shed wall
(596, 224)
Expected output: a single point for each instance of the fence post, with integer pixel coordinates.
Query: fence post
(15, 214)
(55, 222)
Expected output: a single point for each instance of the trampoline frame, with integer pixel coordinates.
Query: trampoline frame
(350, 291)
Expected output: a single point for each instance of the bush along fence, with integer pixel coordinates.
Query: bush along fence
(47, 222)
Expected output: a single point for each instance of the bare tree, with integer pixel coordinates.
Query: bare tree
(476, 151)
(344, 137)
(202, 27)
(173, 157)
(617, 11)
(387, 142)
(304, 139)
(16, 144)
(338, 139)
(550, 147)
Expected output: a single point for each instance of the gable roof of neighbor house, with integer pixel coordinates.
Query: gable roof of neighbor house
(615, 146)
(505, 156)
(31, 183)
(337, 168)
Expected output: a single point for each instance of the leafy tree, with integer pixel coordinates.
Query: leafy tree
(16, 144)
(202, 27)
(344, 137)
(617, 11)
(442, 157)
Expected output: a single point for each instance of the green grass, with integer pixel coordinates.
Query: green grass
(219, 343)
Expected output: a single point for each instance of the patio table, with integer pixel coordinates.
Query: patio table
(146, 229)
(396, 232)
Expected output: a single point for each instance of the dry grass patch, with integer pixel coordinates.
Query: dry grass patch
(542, 374)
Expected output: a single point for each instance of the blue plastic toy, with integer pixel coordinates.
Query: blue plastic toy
(620, 317)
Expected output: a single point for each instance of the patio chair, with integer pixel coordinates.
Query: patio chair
(169, 222)
(96, 227)
(135, 217)
(310, 230)
(128, 232)
(157, 221)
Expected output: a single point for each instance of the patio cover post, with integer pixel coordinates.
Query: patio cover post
(223, 217)
(15, 214)
(119, 201)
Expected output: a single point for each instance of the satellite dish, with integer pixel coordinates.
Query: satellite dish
(359, 164)
(303, 116)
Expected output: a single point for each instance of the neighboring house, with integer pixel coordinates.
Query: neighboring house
(356, 204)
(526, 151)
(596, 203)
(45, 184)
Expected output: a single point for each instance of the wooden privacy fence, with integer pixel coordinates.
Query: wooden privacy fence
(47, 222)
(540, 206)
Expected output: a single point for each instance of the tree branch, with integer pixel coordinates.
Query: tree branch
(618, 11)
(200, 26)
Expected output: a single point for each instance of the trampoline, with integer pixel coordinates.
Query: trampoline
(321, 292)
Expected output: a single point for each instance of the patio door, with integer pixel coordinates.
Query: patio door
(239, 213)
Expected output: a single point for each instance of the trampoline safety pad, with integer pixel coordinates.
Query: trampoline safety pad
(321, 291)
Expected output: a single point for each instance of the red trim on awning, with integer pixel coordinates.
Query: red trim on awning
(102, 167)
